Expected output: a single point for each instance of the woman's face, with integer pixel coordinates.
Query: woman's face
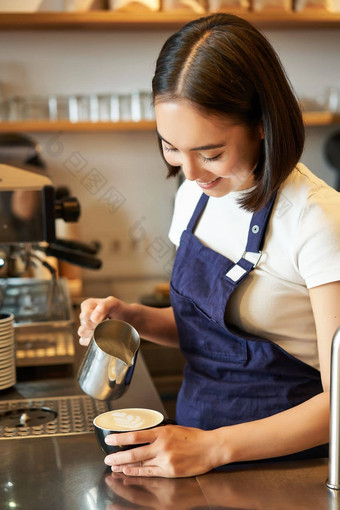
(219, 155)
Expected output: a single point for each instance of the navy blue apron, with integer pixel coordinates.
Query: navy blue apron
(230, 376)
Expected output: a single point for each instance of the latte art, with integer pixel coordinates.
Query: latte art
(123, 420)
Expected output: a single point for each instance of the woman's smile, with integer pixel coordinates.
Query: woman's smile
(210, 184)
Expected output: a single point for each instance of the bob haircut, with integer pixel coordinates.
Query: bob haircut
(224, 66)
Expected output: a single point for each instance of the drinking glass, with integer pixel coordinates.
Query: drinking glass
(35, 108)
(125, 107)
(147, 111)
(333, 99)
(15, 108)
(3, 111)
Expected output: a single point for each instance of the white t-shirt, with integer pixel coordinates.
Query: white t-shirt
(301, 251)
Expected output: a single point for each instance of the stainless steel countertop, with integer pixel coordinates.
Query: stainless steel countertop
(68, 473)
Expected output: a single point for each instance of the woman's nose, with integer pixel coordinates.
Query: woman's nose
(190, 168)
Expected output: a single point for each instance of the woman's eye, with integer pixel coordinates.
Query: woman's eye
(169, 149)
(207, 160)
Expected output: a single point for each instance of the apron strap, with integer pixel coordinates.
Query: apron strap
(256, 236)
(197, 212)
(258, 225)
(252, 253)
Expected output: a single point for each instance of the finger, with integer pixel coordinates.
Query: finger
(140, 463)
(120, 468)
(94, 311)
(84, 341)
(138, 454)
(85, 322)
(84, 330)
(85, 334)
(103, 309)
(87, 306)
(85, 319)
(133, 464)
(128, 438)
(146, 471)
(86, 325)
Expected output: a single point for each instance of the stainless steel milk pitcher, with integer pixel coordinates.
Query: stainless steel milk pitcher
(109, 362)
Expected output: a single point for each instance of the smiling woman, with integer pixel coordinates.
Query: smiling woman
(255, 287)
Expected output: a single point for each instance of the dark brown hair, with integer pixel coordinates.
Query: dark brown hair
(225, 66)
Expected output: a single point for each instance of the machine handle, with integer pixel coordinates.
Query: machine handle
(72, 256)
(91, 248)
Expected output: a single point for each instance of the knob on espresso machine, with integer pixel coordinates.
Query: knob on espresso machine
(68, 209)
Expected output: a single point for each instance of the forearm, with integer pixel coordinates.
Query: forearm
(297, 429)
(154, 324)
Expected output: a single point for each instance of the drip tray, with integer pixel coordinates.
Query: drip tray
(49, 416)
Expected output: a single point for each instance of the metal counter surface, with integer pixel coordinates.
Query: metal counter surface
(68, 473)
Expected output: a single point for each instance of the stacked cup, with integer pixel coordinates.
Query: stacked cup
(7, 351)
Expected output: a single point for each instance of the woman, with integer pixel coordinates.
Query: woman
(255, 289)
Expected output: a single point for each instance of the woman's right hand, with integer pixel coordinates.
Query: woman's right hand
(95, 310)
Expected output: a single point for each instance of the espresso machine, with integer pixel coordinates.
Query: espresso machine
(29, 208)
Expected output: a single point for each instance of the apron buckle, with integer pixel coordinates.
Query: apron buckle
(237, 271)
(253, 257)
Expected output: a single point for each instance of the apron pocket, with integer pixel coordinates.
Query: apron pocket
(201, 335)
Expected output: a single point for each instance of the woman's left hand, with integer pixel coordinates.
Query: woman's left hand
(173, 451)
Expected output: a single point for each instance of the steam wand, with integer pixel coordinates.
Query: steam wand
(53, 280)
(333, 481)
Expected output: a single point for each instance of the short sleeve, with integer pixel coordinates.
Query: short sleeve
(318, 238)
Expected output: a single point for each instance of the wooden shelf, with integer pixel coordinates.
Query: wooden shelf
(321, 118)
(103, 20)
(45, 126)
